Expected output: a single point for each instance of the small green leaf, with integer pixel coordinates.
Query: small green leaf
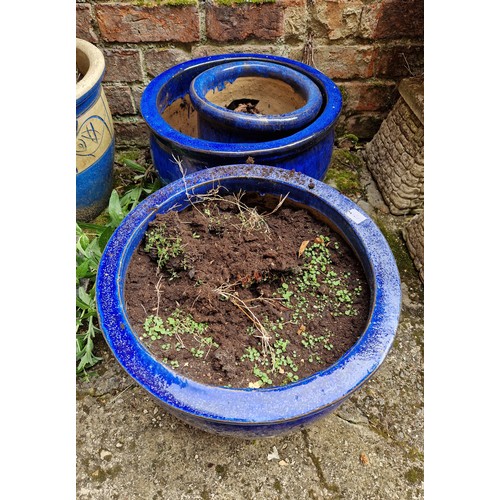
(82, 271)
(115, 209)
(134, 166)
(104, 238)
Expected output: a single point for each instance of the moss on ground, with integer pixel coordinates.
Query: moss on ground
(415, 475)
(399, 250)
(344, 172)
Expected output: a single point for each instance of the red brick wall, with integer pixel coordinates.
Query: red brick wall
(365, 46)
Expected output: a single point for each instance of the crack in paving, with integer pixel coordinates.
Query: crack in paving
(377, 431)
(353, 422)
(332, 488)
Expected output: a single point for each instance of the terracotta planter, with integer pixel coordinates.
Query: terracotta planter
(95, 139)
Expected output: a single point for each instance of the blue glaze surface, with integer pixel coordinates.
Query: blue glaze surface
(94, 186)
(95, 183)
(88, 99)
(220, 124)
(308, 150)
(253, 412)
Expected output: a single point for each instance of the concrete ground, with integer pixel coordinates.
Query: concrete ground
(371, 447)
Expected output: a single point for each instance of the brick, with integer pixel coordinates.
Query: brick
(120, 100)
(340, 19)
(240, 22)
(400, 18)
(368, 96)
(159, 60)
(345, 62)
(291, 3)
(84, 28)
(131, 133)
(162, 23)
(122, 65)
(295, 20)
(399, 61)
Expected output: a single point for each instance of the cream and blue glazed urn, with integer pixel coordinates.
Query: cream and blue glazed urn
(95, 138)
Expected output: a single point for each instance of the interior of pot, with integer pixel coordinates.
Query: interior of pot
(272, 96)
(90, 64)
(182, 116)
(82, 61)
(175, 106)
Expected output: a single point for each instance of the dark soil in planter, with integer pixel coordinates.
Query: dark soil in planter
(245, 105)
(235, 292)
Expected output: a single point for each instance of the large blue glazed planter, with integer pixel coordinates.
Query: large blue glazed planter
(250, 413)
(308, 150)
(95, 138)
(287, 101)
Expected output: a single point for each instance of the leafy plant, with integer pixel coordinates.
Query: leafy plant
(178, 325)
(91, 238)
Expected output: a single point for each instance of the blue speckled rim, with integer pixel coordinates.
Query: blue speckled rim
(318, 128)
(218, 76)
(253, 406)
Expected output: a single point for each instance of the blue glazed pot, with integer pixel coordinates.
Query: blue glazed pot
(287, 99)
(308, 150)
(250, 413)
(95, 138)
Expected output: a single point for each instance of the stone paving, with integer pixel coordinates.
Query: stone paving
(371, 447)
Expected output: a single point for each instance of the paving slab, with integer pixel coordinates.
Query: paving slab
(371, 447)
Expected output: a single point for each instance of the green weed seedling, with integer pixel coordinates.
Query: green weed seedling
(164, 246)
(183, 327)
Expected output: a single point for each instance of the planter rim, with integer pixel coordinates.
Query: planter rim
(96, 69)
(230, 72)
(250, 406)
(316, 130)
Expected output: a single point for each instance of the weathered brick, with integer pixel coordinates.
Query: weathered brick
(159, 60)
(398, 61)
(291, 3)
(162, 23)
(239, 22)
(345, 61)
(295, 18)
(120, 100)
(131, 133)
(84, 27)
(340, 18)
(400, 18)
(122, 65)
(368, 96)
(337, 19)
